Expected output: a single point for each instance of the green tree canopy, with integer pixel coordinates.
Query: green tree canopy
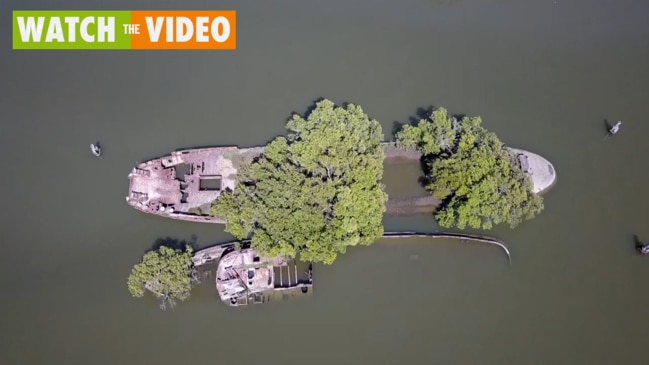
(314, 192)
(468, 168)
(167, 273)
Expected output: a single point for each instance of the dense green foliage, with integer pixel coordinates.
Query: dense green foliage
(316, 191)
(471, 172)
(167, 273)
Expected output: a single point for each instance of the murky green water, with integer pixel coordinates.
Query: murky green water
(542, 74)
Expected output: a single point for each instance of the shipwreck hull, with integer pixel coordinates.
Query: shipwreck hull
(244, 278)
(184, 184)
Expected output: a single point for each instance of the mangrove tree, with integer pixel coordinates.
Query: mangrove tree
(467, 167)
(167, 273)
(314, 192)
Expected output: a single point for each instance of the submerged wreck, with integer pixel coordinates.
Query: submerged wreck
(184, 184)
(243, 277)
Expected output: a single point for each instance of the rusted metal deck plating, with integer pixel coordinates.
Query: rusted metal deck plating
(183, 184)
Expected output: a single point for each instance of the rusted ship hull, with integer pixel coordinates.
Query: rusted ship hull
(184, 184)
(243, 278)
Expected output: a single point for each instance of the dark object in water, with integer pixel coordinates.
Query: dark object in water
(616, 128)
(640, 246)
(95, 149)
(612, 130)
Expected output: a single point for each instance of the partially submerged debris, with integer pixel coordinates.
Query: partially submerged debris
(244, 277)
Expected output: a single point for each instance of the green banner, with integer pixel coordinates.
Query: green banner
(71, 29)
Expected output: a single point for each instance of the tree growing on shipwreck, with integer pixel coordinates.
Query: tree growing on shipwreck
(470, 171)
(167, 273)
(314, 192)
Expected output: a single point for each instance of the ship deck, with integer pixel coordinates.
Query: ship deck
(243, 277)
(184, 184)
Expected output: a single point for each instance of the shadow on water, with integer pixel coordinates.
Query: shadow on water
(422, 113)
(396, 127)
(309, 109)
(175, 243)
(640, 245)
(413, 120)
(459, 116)
(607, 125)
